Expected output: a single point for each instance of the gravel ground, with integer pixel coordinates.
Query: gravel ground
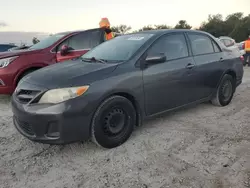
(204, 146)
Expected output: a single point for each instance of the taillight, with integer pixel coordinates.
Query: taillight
(242, 58)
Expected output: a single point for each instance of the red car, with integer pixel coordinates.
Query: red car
(15, 65)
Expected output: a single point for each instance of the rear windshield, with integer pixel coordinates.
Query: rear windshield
(45, 43)
(121, 48)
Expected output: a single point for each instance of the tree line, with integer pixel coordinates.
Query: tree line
(235, 25)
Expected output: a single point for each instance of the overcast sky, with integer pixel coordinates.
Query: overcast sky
(63, 15)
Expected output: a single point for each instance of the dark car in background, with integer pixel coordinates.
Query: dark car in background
(109, 90)
(22, 47)
(15, 65)
(6, 47)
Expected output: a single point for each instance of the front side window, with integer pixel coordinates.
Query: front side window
(121, 48)
(200, 44)
(45, 43)
(85, 40)
(174, 46)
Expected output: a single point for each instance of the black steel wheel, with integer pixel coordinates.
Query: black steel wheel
(113, 122)
(225, 91)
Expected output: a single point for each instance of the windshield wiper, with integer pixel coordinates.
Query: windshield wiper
(93, 59)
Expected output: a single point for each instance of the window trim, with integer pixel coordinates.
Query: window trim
(211, 40)
(214, 42)
(166, 35)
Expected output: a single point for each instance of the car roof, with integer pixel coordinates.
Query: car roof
(165, 31)
(77, 31)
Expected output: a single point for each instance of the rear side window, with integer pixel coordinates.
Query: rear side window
(174, 46)
(200, 44)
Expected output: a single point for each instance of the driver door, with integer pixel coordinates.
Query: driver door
(169, 84)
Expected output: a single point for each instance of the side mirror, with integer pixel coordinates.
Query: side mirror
(64, 50)
(156, 58)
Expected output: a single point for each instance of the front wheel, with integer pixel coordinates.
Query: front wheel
(113, 122)
(225, 91)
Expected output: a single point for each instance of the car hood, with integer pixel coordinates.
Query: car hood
(17, 53)
(69, 74)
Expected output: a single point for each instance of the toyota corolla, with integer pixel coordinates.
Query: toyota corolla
(112, 88)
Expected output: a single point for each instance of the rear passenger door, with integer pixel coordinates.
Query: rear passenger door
(169, 84)
(208, 57)
(80, 43)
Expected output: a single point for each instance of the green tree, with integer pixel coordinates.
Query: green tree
(121, 29)
(150, 27)
(146, 28)
(235, 25)
(215, 25)
(182, 24)
(162, 26)
(242, 30)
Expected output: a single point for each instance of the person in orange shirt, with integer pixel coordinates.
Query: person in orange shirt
(104, 23)
(246, 47)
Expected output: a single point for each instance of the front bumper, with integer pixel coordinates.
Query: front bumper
(6, 90)
(52, 124)
(6, 85)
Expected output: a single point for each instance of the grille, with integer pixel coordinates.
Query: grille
(25, 96)
(26, 127)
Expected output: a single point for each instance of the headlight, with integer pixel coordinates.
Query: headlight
(6, 61)
(59, 95)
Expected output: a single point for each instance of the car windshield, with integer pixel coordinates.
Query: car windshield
(46, 42)
(121, 48)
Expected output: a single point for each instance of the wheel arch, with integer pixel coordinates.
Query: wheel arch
(24, 71)
(131, 98)
(230, 72)
(233, 74)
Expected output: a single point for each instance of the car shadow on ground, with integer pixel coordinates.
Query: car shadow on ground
(88, 146)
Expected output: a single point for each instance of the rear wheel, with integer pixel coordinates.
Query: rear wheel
(225, 91)
(113, 122)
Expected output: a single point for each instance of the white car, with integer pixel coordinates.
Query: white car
(230, 43)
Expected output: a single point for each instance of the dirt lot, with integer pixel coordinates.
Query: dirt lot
(204, 146)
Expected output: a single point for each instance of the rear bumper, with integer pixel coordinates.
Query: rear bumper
(52, 124)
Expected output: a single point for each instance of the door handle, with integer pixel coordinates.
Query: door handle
(190, 66)
(221, 59)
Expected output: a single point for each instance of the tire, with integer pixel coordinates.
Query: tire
(105, 131)
(221, 98)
